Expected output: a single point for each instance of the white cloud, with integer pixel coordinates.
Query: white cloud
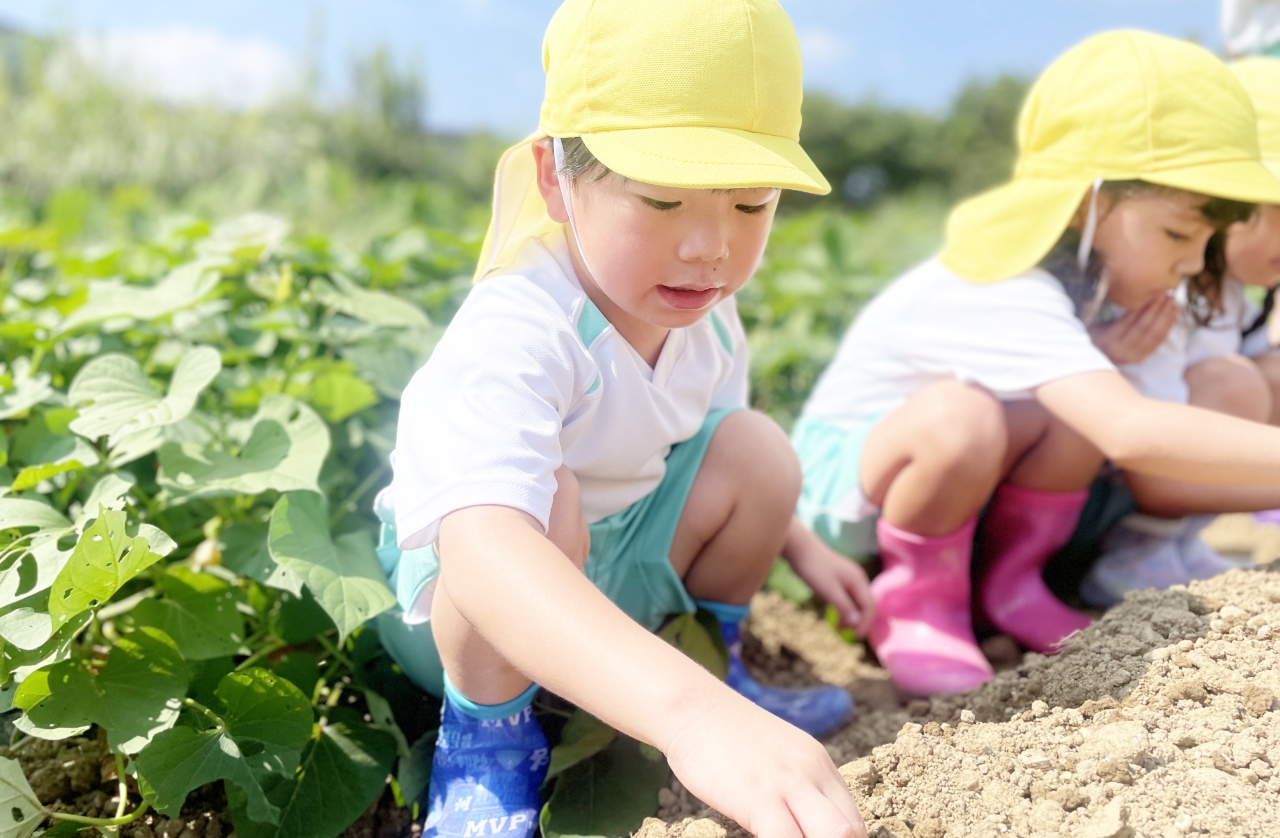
(822, 46)
(184, 64)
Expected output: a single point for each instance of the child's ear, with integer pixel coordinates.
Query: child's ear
(544, 158)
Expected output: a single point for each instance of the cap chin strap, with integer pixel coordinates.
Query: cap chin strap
(566, 195)
(1090, 232)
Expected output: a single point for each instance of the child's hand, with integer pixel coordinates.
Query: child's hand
(838, 581)
(1136, 335)
(772, 778)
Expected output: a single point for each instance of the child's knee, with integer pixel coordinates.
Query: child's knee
(963, 430)
(567, 527)
(761, 455)
(1231, 384)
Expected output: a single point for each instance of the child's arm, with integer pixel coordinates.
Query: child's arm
(836, 579)
(1160, 438)
(531, 604)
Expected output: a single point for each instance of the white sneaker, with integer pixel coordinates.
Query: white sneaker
(1133, 561)
(1199, 559)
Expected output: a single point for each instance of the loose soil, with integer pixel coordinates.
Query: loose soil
(1161, 721)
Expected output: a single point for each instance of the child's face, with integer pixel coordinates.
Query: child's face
(1253, 248)
(1149, 242)
(662, 255)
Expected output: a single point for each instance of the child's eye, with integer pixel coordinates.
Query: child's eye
(750, 209)
(660, 205)
(1176, 236)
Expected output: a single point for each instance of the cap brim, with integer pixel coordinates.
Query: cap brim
(1007, 231)
(1237, 180)
(707, 158)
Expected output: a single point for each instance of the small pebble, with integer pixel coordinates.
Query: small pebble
(967, 717)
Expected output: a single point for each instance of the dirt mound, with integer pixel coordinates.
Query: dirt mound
(1160, 720)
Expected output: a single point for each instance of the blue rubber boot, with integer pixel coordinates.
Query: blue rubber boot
(818, 711)
(489, 763)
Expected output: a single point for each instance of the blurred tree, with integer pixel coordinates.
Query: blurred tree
(869, 152)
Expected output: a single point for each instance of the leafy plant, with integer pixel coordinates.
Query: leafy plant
(189, 447)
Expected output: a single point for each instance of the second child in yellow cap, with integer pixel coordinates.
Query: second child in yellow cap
(1216, 355)
(971, 384)
(575, 464)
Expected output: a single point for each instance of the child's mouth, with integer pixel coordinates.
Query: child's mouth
(688, 298)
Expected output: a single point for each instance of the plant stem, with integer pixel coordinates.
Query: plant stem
(260, 654)
(337, 653)
(124, 787)
(87, 821)
(192, 704)
(357, 493)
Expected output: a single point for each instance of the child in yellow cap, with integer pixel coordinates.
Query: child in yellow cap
(575, 464)
(1216, 354)
(971, 382)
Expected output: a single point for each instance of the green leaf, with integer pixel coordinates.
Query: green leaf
(32, 475)
(110, 493)
(414, 773)
(342, 773)
(302, 669)
(383, 719)
(135, 696)
(26, 628)
(692, 637)
(104, 558)
(117, 400)
(20, 813)
(583, 737)
(783, 580)
(245, 551)
(283, 449)
(112, 299)
(377, 308)
(264, 726)
(26, 390)
(343, 574)
(610, 794)
(198, 611)
(339, 395)
(19, 513)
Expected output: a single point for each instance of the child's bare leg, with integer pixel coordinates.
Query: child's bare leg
(932, 463)
(478, 670)
(1269, 364)
(736, 515)
(1231, 384)
(1044, 454)
(733, 525)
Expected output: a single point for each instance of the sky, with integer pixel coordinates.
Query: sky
(481, 59)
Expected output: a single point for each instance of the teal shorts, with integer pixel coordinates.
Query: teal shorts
(831, 501)
(629, 562)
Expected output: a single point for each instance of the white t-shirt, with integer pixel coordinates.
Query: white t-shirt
(530, 376)
(1162, 374)
(930, 325)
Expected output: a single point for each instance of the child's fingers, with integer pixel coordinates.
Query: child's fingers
(822, 813)
(778, 822)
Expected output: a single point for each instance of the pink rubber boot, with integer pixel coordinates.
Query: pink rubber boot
(1023, 528)
(922, 632)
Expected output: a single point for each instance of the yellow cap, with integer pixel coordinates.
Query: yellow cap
(1261, 79)
(698, 95)
(1125, 105)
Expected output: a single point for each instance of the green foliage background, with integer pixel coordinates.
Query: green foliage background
(208, 320)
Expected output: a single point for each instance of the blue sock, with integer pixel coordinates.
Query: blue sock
(817, 710)
(489, 764)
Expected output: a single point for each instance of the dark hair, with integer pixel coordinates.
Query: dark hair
(579, 162)
(1204, 291)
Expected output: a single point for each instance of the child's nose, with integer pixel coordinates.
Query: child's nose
(707, 242)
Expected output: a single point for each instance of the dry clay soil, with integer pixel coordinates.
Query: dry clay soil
(1160, 720)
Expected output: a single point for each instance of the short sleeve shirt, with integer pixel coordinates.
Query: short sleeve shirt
(530, 376)
(930, 325)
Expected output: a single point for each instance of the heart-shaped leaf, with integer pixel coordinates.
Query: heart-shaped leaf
(104, 558)
(135, 696)
(343, 574)
(264, 724)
